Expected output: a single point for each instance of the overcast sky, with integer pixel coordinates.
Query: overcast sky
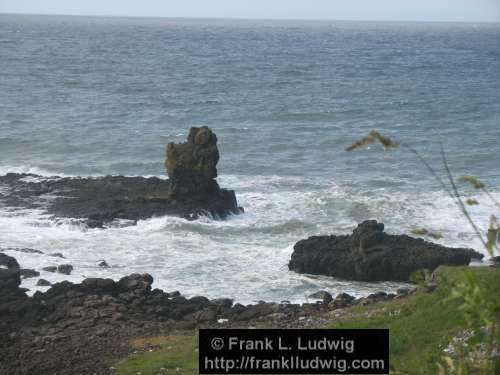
(415, 10)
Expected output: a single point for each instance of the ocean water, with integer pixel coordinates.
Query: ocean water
(90, 96)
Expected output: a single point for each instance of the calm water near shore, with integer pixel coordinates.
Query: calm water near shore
(90, 96)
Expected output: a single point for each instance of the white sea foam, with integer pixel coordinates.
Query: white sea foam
(28, 170)
(246, 256)
(42, 173)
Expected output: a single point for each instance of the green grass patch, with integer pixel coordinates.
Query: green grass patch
(423, 324)
(162, 355)
(420, 325)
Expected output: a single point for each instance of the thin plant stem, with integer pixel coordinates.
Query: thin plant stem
(491, 197)
(429, 167)
(457, 195)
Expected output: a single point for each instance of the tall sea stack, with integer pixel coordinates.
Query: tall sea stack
(192, 165)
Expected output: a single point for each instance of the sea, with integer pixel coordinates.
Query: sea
(94, 96)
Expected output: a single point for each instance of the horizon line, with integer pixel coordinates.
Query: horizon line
(245, 19)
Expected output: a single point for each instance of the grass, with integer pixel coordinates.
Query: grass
(421, 326)
(168, 354)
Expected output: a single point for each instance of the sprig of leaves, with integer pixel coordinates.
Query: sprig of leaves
(428, 233)
(373, 136)
(478, 185)
(473, 181)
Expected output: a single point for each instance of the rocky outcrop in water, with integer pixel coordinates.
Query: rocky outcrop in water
(190, 192)
(370, 254)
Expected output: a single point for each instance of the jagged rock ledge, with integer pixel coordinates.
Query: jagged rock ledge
(105, 302)
(190, 191)
(90, 324)
(369, 254)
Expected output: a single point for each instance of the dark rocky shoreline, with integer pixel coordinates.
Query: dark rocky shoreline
(132, 297)
(190, 191)
(61, 330)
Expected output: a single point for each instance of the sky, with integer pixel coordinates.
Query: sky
(390, 10)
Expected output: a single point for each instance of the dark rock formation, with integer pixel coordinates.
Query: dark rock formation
(28, 273)
(8, 261)
(322, 295)
(103, 264)
(369, 254)
(43, 282)
(22, 250)
(190, 192)
(65, 269)
(30, 251)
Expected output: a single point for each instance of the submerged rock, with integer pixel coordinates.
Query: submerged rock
(191, 190)
(65, 269)
(370, 254)
(50, 268)
(28, 273)
(103, 264)
(23, 250)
